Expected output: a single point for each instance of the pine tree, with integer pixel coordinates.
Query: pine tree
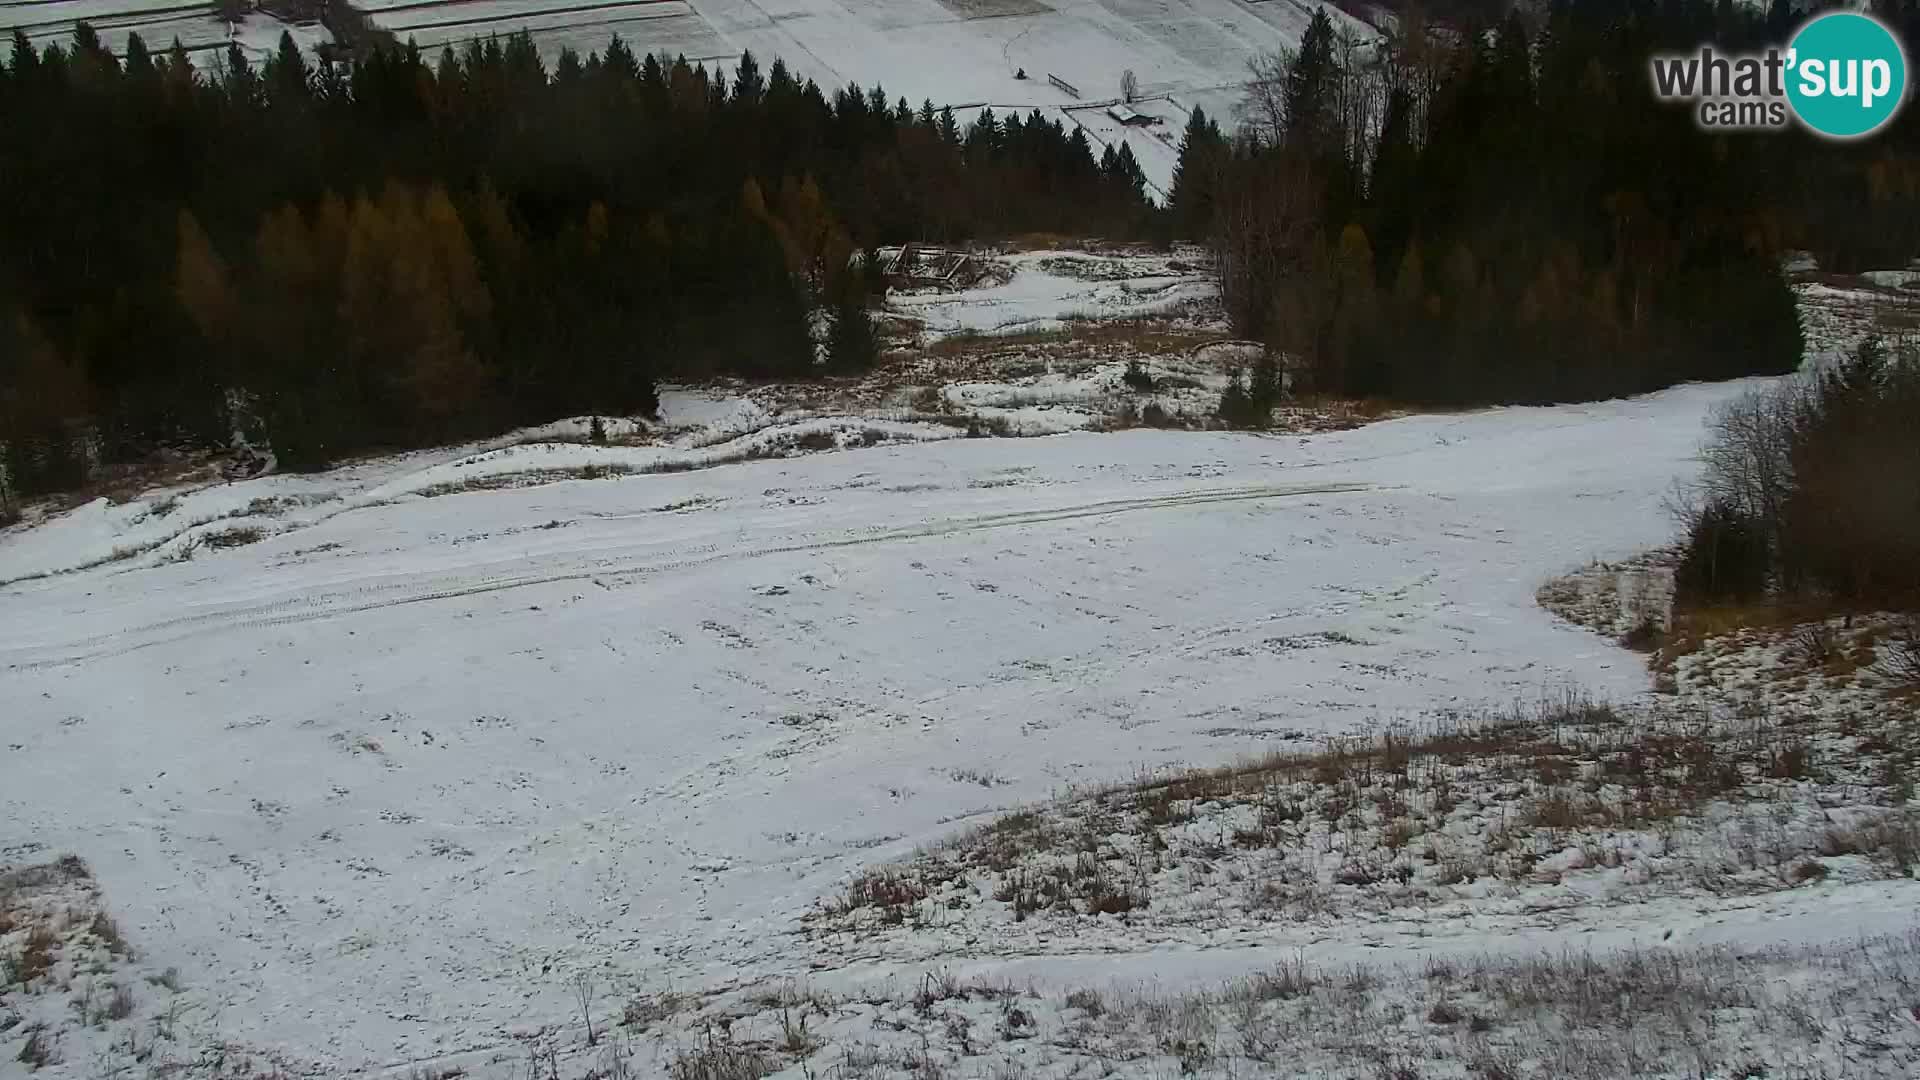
(1263, 388)
(851, 344)
(1236, 406)
(140, 69)
(288, 80)
(1312, 122)
(1196, 175)
(25, 60)
(1126, 169)
(748, 86)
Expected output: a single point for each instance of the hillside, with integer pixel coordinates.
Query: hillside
(380, 769)
(964, 53)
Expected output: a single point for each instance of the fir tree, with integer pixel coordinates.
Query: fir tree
(851, 344)
(1191, 196)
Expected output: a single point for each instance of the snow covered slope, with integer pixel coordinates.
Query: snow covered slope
(955, 52)
(381, 785)
(964, 53)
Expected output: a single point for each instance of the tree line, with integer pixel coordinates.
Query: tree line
(331, 260)
(1503, 212)
(1811, 489)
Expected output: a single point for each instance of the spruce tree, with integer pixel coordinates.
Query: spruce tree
(1195, 176)
(748, 86)
(851, 344)
(1310, 86)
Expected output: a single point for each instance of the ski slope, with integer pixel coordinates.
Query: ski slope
(380, 785)
(963, 53)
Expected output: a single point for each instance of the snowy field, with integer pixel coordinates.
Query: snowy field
(159, 23)
(378, 787)
(375, 770)
(964, 53)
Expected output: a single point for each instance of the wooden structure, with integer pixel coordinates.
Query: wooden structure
(918, 266)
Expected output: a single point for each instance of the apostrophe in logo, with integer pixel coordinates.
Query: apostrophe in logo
(1847, 75)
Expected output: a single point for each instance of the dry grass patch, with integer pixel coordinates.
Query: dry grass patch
(1408, 818)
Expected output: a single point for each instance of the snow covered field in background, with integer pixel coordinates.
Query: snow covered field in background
(963, 53)
(159, 23)
(955, 52)
(1048, 289)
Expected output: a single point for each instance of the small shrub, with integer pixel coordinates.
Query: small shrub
(597, 431)
(1645, 636)
(1836, 842)
(108, 932)
(1724, 558)
(1137, 378)
(35, 957)
(1792, 760)
(168, 979)
(1398, 834)
(1087, 1001)
(1815, 644)
(1156, 417)
(929, 399)
(1444, 1012)
(1900, 656)
(1291, 979)
(1809, 870)
(1238, 407)
(1356, 874)
(1490, 1069)
(721, 1061)
(795, 1039)
(231, 538)
(883, 889)
(1556, 811)
(649, 1009)
(120, 1004)
(37, 1051)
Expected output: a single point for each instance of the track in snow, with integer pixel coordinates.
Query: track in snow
(371, 596)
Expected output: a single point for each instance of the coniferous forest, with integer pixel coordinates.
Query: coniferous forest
(332, 260)
(1502, 211)
(424, 249)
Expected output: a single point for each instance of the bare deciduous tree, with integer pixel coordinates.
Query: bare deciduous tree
(1268, 221)
(1129, 86)
(583, 992)
(1263, 112)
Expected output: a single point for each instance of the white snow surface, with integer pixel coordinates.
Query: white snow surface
(955, 52)
(963, 53)
(1049, 288)
(382, 782)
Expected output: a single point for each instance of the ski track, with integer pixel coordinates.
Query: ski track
(369, 597)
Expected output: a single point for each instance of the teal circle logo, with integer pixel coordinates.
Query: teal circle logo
(1847, 75)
